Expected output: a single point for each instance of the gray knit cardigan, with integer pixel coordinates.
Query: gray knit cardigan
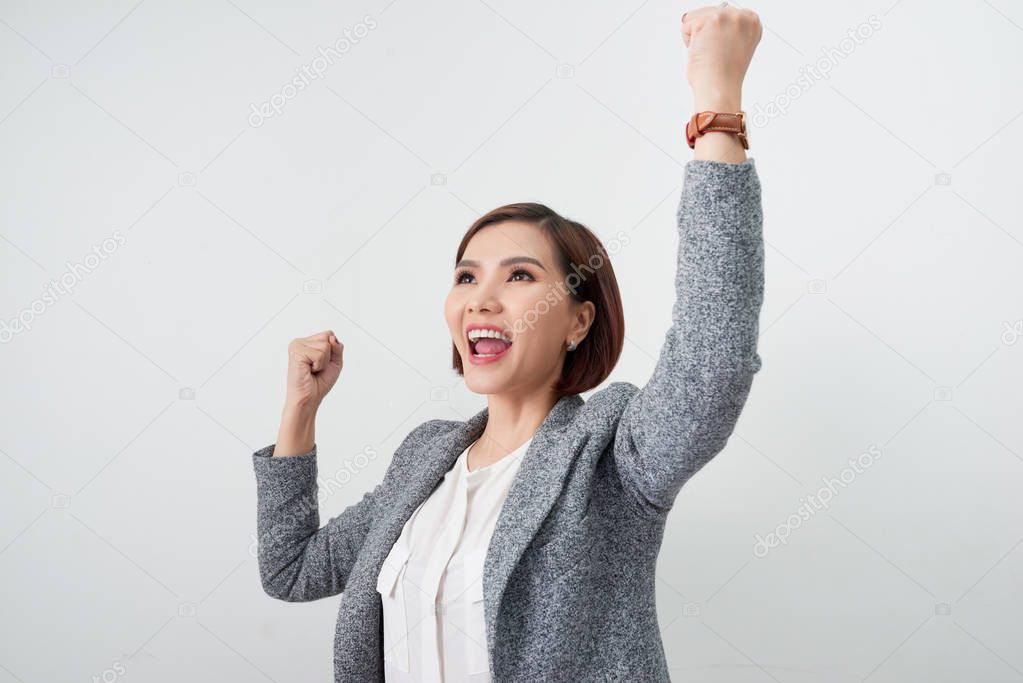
(569, 573)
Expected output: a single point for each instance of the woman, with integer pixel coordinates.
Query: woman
(520, 545)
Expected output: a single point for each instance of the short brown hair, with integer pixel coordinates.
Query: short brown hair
(576, 248)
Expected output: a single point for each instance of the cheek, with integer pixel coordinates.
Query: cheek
(539, 325)
(453, 308)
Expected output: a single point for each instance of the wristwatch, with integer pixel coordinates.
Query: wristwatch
(708, 121)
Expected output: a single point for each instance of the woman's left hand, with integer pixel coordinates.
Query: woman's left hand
(721, 41)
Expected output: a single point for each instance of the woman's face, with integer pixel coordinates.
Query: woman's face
(508, 278)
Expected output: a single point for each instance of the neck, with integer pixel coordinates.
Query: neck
(511, 420)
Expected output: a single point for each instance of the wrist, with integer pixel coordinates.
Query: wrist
(722, 101)
(722, 139)
(299, 411)
(297, 433)
(718, 146)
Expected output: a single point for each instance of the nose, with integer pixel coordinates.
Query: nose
(484, 298)
(490, 304)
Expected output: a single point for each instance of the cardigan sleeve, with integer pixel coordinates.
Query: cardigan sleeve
(299, 560)
(687, 410)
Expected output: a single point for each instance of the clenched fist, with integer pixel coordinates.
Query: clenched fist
(721, 41)
(314, 364)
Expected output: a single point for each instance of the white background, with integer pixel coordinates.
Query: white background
(893, 316)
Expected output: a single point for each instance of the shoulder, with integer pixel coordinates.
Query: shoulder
(610, 402)
(614, 393)
(416, 441)
(424, 434)
(601, 411)
(429, 430)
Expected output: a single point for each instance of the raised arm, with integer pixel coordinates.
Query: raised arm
(685, 413)
(299, 560)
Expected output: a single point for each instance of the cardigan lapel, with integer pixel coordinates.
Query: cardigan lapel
(534, 489)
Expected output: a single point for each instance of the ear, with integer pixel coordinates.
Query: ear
(585, 314)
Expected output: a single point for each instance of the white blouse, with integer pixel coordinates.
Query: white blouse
(431, 583)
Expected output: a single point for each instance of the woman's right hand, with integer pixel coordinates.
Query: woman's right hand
(314, 364)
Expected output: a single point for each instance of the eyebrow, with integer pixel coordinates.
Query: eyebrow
(504, 262)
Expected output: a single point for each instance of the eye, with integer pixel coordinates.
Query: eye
(523, 271)
(463, 273)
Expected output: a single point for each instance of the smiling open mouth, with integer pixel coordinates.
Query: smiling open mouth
(488, 347)
(486, 344)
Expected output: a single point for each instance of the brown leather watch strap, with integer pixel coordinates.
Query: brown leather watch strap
(711, 121)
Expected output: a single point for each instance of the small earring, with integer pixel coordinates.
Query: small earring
(572, 345)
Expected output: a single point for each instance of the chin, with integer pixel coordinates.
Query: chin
(482, 379)
(484, 386)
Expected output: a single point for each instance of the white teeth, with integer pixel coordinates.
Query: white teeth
(480, 333)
